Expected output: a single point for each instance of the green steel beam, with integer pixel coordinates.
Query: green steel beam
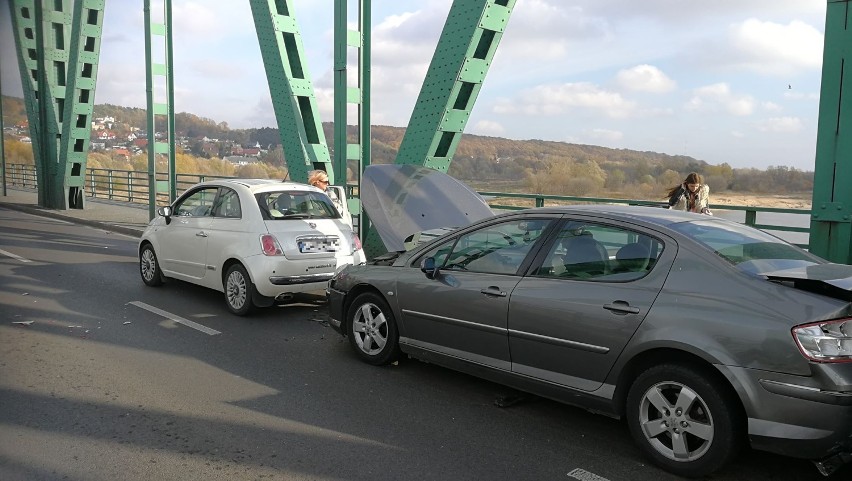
(290, 88)
(461, 61)
(356, 155)
(83, 58)
(160, 109)
(58, 44)
(831, 214)
(2, 136)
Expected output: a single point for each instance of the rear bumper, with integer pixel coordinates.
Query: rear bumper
(276, 275)
(791, 415)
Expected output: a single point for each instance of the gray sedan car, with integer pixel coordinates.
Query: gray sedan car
(703, 334)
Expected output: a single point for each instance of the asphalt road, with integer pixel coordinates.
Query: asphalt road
(103, 378)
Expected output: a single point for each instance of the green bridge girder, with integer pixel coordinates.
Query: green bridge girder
(461, 61)
(58, 48)
(831, 211)
(290, 87)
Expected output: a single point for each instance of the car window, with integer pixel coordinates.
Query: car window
(495, 249)
(197, 204)
(293, 204)
(748, 248)
(228, 204)
(599, 252)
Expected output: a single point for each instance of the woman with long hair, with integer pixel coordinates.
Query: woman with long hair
(692, 195)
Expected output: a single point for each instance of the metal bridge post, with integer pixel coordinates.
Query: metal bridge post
(831, 214)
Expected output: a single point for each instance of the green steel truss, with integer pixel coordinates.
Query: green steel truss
(161, 110)
(831, 215)
(352, 155)
(58, 45)
(290, 88)
(465, 49)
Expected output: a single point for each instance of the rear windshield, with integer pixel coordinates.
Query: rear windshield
(749, 249)
(295, 204)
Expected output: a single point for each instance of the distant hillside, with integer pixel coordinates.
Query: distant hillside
(519, 165)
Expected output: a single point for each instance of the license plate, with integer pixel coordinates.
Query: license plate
(319, 244)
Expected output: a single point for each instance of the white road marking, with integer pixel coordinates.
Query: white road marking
(584, 475)
(175, 318)
(13, 256)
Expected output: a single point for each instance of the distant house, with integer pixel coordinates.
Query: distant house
(254, 152)
(121, 153)
(131, 137)
(141, 143)
(240, 160)
(26, 140)
(97, 146)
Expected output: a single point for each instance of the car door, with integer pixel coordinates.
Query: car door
(227, 234)
(582, 300)
(462, 312)
(182, 243)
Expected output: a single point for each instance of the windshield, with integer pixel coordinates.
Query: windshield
(749, 249)
(294, 204)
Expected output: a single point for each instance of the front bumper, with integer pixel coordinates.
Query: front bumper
(335, 309)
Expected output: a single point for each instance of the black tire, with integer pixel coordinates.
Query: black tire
(239, 290)
(149, 267)
(684, 420)
(372, 331)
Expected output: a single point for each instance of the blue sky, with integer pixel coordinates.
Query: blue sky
(733, 81)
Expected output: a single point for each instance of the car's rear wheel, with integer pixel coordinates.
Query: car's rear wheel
(239, 290)
(684, 420)
(149, 268)
(372, 330)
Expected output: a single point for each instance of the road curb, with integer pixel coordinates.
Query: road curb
(130, 231)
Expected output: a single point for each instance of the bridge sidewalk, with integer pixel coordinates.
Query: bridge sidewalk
(121, 217)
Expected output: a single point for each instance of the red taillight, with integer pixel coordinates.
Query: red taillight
(269, 245)
(356, 241)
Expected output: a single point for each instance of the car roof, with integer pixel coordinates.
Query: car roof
(261, 185)
(628, 213)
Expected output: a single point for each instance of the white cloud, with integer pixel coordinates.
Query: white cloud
(771, 107)
(715, 97)
(768, 47)
(645, 78)
(563, 98)
(781, 125)
(488, 127)
(604, 135)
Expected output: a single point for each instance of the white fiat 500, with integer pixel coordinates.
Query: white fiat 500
(257, 240)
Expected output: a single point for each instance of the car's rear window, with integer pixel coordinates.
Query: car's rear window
(746, 247)
(295, 204)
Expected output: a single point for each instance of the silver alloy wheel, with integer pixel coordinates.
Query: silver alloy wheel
(236, 290)
(148, 264)
(370, 329)
(676, 421)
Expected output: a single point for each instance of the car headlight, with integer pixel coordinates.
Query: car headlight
(826, 341)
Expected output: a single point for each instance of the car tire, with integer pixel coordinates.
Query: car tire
(684, 420)
(239, 290)
(149, 267)
(372, 331)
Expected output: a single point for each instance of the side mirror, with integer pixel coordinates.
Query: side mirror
(165, 212)
(427, 266)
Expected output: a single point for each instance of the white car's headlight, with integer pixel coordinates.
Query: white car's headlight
(826, 341)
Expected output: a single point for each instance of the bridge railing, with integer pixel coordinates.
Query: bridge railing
(132, 186)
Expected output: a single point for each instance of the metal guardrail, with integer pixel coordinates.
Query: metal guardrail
(132, 186)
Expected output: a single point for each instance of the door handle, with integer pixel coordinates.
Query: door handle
(621, 307)
(493, 291)
(201, 234)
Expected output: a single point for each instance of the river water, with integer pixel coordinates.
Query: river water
(773, 218)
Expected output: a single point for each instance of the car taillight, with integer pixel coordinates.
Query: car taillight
(356, 241)
(269, 245)
(826, 341)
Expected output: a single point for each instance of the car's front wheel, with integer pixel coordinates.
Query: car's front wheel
(372, 330)
(239, 290)
(684, 420)
(149, 268)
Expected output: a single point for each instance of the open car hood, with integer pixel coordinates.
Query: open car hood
(833, 280)
(404, 200)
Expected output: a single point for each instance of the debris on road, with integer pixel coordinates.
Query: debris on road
(23, 323)
(126, 323)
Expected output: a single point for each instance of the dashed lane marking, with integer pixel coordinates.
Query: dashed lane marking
(14, 256)
(175, 318)
(584, 475)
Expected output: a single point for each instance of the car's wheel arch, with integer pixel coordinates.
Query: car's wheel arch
(355, 292)
(654, 357)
